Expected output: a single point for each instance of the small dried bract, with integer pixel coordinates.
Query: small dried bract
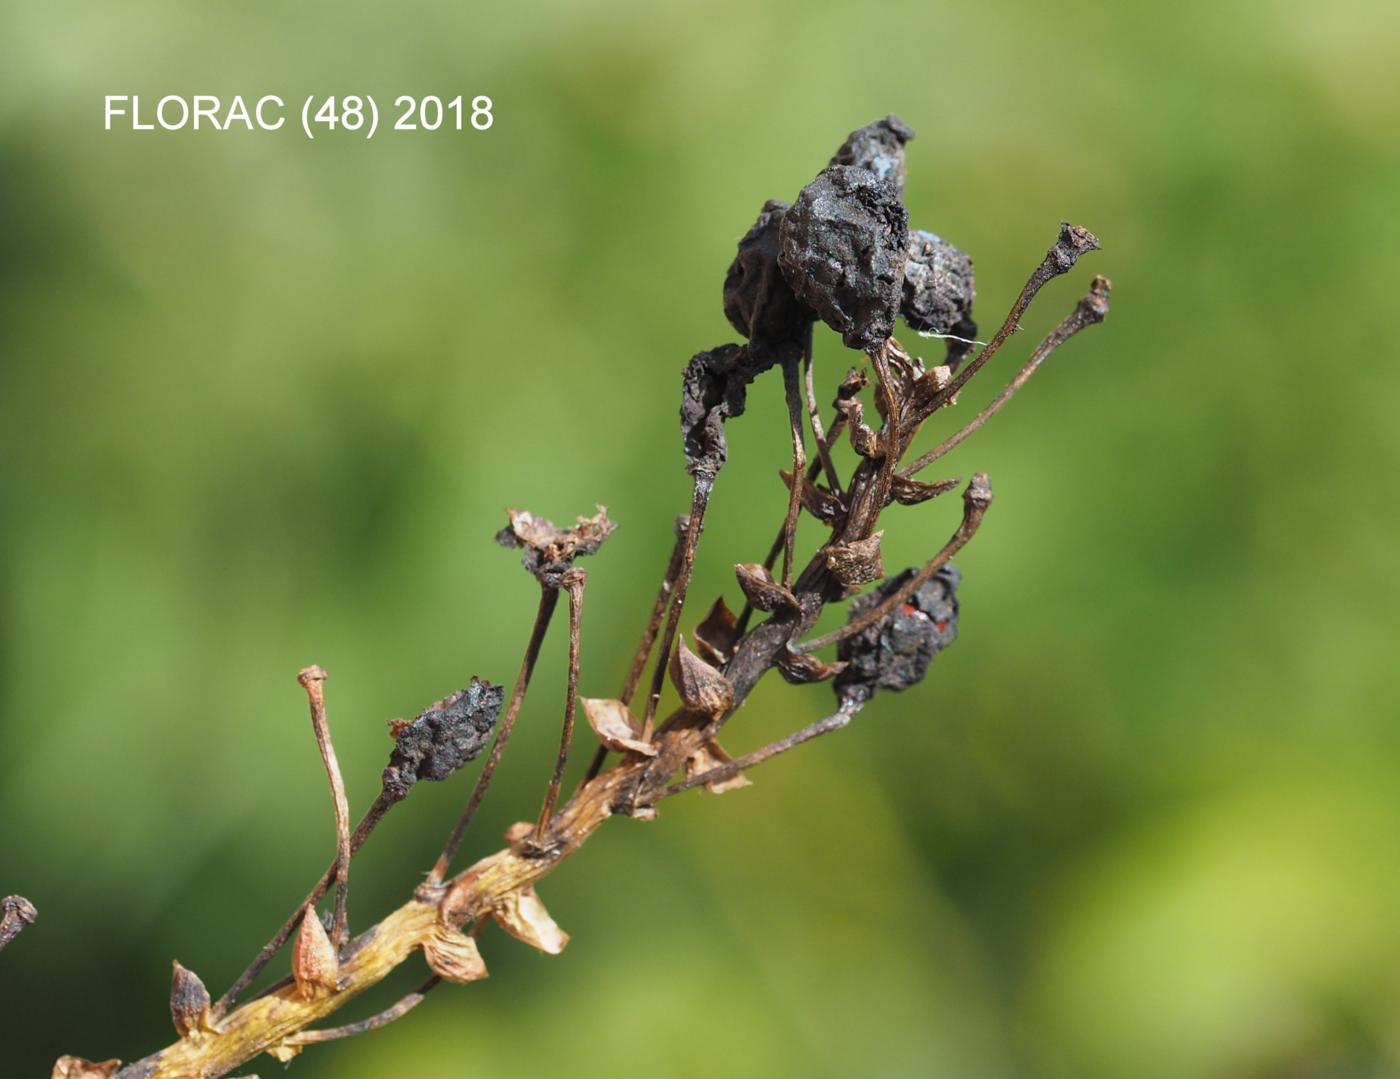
(709, 757)
(896, 652)
(71, 1067)
(189, 1002)
(843, 252)
(612, 722)
(702, 688)
(315, 965)
(443, 738)
(454, 956)
(523, 916)
(550, 551)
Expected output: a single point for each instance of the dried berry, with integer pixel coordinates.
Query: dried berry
(549, 550)
(758, 301)
(713, 390)
(843, 252)
(443, 738)
(895, 653)
(878, 147)
(939, 289)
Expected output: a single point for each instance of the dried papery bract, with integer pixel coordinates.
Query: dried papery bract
(523, 916)
(454, 956)
(612, 722)
(315, 965)
(189, 1002)
(702, 688)
(71, 1067)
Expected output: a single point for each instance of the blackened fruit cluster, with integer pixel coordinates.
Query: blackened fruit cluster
(895, 652)
(843, 253)
(443, 738)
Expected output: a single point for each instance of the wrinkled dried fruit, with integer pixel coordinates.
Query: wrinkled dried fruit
(857, 562)
(896, 652)
(758, 301)
(879, 147)
(612, 722)
(523, 916)
(702, 688)
(315, 965)
(454, 956)
(71, 1067)
(939, 289)
(713, 389)
(189, 1002)
(443, 738)
(761, 590)
(550, 551)
(708, 757)
(843, 252)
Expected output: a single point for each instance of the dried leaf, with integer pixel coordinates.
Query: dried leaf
(710, 756)
(315, 965)
(71, 1067)
(550, 551)
(908, 492)
(443, 738)
(523, 916)
(817, 500)
(856, 563)
(189, 1002)
(761, 590)
(612, 722)
(454, 956)
(716, 636)
(803, 668)
(702, 688)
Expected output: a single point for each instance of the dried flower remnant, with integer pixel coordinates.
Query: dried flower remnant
(703, 689)
(895, 653)
(16, 914)
(315, 965)
(523, 916)
(758, 301)
(71, 1067)
(444, 737)
(879, 147)
(454, 956)
(612, 722)
(843, 252)
(550, 551)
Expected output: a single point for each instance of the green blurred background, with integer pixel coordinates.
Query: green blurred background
(263, 400)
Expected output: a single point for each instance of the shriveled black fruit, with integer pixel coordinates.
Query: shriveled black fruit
(758, 301)
(939, 289)
(878, 147)
(842, 249)
(713, 390)
(895, 653)
(443, 738)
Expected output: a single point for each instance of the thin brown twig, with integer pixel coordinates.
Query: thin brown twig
(1091, 309)
(549, 599)
(384, 1018)
(729, 769)
(792, 391)
(312, 680)
(976, 498)
(814, 417)
(573, 582)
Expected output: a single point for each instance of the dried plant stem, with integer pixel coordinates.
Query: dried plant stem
(730, 769)
(1091, 309)
(549, 599)
(312, 680)
(574, 582)
(976, 498)
(384, 1018)
(793, 392)
(699, 499)
(815, 417)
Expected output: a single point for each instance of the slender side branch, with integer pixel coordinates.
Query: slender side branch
(549, 599)
(574, 582)
(1072, 242)
(312, 680)
(1090, 310)
(730, 769)
(384, 1018)
(814, 415)
(792, 391)
(976, 498)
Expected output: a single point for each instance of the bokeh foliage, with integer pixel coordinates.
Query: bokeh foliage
(262, 402)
